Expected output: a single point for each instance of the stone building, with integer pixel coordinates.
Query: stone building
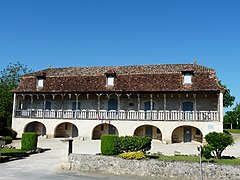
(169, 102)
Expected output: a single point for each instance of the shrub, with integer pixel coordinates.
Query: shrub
(109, 144)
(218, 142)
(7, 139)
(29, 141)
(133, 143)
(133, 155)
(6, 131)
(207, 151)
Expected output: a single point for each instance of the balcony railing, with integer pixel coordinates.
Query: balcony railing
(160, 115)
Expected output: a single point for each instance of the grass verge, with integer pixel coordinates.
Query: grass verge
(224, 160)
(233, 130)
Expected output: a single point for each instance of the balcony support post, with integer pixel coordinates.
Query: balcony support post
(44, 105)
(76, 105)
(118, 100)
(195, 106)
(62, 104)
(139, 102)
(180, 107)
(31, 96)
(99, 101)
(151, 104)
(164, 105)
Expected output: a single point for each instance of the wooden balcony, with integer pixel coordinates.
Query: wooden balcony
(92, 114)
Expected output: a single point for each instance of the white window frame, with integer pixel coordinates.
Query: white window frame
(187, 78)
(110, 81)
(40, 82)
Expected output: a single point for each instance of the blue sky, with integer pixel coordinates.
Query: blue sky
(63, 33)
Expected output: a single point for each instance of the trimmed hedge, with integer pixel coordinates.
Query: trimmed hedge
(109, 144)
(29, 141)
(112, 144)
(133, 143)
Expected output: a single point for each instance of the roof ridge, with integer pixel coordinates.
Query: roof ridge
(123, 69)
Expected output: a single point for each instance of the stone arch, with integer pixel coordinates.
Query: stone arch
(149, 131)
(66, 130)
(102, 129)
(187, 134)
(37, 127)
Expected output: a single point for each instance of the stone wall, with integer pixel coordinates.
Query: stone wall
(150, 168)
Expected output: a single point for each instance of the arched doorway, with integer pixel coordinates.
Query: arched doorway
(65, 130)
(187, 134)
(37, 127)
(148, 131)
(102, 129)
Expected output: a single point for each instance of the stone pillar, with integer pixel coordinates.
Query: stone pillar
(65, 151)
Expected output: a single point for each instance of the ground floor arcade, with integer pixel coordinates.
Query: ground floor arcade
(166, 132)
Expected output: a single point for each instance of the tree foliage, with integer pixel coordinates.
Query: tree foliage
(9, 79)
(228, 99)
(233, 118)
(218, 142)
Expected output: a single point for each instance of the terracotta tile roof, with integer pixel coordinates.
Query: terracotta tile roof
(140, 78)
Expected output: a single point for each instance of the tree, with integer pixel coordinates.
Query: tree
(230, 118)
(233, 117)
(218, 142)
(228, 99)
(9, 79)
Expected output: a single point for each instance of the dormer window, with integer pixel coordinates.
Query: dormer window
(110, 80)
(110, 75)
(187, 77)
(40, 82)
(40, 79)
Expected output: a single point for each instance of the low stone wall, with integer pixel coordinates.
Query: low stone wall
(150, 167)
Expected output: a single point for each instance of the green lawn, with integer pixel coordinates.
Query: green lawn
(233, 130)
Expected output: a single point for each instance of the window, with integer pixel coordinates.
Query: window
(187, 78)
(40, 83)
(110, 81)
